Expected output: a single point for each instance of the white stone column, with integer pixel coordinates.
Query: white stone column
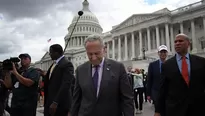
(73, 41)
(133, 45)
(194, 46)
(153, 40)
(113, 48)
(126, 52)
(204, 24)
(162, 37)
(81, 39)
(78, 41)
(119, 49)
(140, 42)
(148, 39)
(172, 39)
(108, 49)
(181, 27)
(167, 36)
(157, 36)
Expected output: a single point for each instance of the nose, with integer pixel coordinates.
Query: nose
(93, 57)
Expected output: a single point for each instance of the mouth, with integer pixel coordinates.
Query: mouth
(177, 47)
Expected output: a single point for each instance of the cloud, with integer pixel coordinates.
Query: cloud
(26, 25)
(14, 9)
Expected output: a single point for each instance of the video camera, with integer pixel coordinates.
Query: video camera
(7, 64)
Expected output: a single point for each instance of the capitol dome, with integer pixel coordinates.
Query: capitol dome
(88, 24)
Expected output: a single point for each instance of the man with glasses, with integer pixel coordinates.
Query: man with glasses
(154, 71)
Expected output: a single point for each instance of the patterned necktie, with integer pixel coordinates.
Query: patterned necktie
(95, 77)
(185, 72)
(51, 70)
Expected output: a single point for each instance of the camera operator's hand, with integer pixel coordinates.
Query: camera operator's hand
(42, 73)
(14, 71)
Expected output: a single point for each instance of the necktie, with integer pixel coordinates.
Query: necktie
(95, 77)
(185, 72)
(160, 67)
(51, 70)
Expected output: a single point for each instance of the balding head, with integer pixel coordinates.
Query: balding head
(181, 44)
(182, 35)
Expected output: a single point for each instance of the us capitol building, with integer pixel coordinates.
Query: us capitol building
(134, 41)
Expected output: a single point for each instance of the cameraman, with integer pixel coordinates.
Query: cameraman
(24, 84)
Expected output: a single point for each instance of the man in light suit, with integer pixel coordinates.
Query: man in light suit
(102, 87)
(57, 84)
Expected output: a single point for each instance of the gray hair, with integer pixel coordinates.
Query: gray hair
(92, 38)
(184, 36)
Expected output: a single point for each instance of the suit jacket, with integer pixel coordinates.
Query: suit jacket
(176, 98)
(131, 79)
(115, 95)
(57, 88)
(153, 79)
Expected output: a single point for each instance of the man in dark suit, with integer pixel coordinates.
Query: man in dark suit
(102, 87)
(182, 90)
(57, 84)
(154, 70)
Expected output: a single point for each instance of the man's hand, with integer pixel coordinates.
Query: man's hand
(157, 114)
(42, 73)
(69, 114)
(2, 81)
(53, 108)
(149, 99)
(14, 71)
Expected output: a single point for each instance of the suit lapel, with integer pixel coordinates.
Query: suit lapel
(56, 67)
(175, 66)
(192, 65)
(106, 75)
(90, 79)
(157, 65)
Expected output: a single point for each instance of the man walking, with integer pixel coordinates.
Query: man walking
(182, 89)
(102, 87)
(154, 71)
(57, 84)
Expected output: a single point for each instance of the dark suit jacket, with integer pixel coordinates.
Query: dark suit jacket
(57, 89)
(153, 79)
(115, 96)
(176, 98)
(131, 79)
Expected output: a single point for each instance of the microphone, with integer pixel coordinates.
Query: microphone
(80, 13)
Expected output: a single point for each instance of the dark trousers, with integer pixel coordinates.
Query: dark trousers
(145, 92)
(58, 112)
(138, 104)
(23, 111)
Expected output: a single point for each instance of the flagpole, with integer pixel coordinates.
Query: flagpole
(80, 13)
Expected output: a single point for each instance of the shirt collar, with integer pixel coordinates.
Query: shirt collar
(160, 61)
(179, 57)
(59, 59)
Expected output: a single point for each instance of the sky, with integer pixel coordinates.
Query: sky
(26, 25)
